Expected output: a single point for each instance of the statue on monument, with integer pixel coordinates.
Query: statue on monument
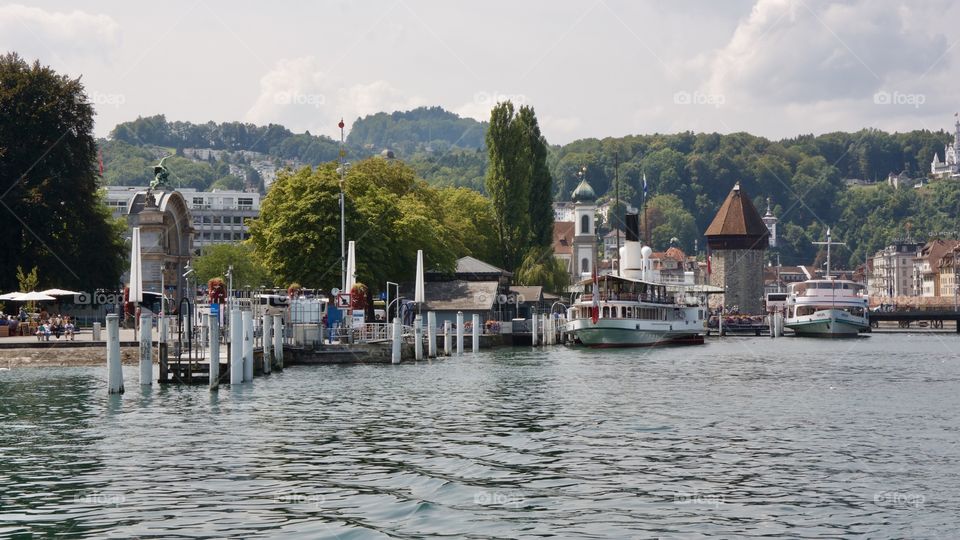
(160, 174)
(159, 182)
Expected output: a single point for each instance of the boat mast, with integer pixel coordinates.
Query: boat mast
(829, 243)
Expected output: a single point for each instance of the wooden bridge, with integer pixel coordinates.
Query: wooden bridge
(917, 318)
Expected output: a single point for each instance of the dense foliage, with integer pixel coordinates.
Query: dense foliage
(805, 176)
(426, 128)
(390, 213)
(52, 216)
(215, 260)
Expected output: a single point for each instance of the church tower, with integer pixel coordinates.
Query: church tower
(770, 221)
(585, 237)
(738, 238)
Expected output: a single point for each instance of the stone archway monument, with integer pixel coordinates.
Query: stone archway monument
(166, 234)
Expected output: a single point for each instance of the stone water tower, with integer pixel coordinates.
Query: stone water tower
(737, 238)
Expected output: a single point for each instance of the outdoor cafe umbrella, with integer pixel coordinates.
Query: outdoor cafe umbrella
(59, 292)
(11, 296)
(33, 296)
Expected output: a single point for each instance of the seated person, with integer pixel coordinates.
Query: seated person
(43, 332)
(69, 330)
(13, 323)
(56, 328)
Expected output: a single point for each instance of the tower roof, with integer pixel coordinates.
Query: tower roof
(738, 219)
(584, 193)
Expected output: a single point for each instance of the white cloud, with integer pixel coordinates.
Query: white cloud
(298, 94)
(37, 33)
(791, 51)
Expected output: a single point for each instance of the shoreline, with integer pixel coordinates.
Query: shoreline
(65, 357)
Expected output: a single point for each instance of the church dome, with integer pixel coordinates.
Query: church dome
(583, 193)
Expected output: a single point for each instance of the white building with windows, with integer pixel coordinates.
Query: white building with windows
(221, 216)
(893, 270)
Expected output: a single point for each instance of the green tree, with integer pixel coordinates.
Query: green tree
(52, 216)
(389, 213)
(540, 181)
(508, 183)
(541, 267)
(216, 259)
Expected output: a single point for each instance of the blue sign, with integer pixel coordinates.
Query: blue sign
(215, 310)
(383, 296)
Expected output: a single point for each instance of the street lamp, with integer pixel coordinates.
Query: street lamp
(386, 312)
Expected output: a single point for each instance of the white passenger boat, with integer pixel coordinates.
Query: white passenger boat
(634, 308)
(827, 307)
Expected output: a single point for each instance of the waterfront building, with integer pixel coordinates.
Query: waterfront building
(563, 233)
(738, 238)
(892, 272)
(950, 166)
(948, 281)
(926, 266)
(475, 287)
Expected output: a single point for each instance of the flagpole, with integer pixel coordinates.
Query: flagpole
(616, 175)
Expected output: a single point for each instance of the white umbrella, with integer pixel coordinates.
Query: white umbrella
(11, 296)
(351, 278)
(136, 270)
(34, 296)
(418, 295)
(59, 292)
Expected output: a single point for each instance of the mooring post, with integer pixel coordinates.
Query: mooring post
(146, 350)
(475, 345)
(431, 334)
(162, 347)
(114, 369)
(533, 330)
(204, 328)
(446, 338)
(214, 353)
(267, 342)
(247, 346)
(96, 331)
(418, 338)
(278, 341)
(546, 329)
(459, 333)
(397, 334)
(236, 347)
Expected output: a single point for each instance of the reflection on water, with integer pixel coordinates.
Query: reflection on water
(744, 437)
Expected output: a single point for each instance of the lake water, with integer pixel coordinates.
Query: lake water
(741, 437)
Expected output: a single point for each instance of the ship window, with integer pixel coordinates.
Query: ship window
(606, 312)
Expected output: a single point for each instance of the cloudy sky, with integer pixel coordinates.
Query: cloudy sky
(590, 68)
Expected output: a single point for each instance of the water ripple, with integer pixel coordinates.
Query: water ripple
(748, 437)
